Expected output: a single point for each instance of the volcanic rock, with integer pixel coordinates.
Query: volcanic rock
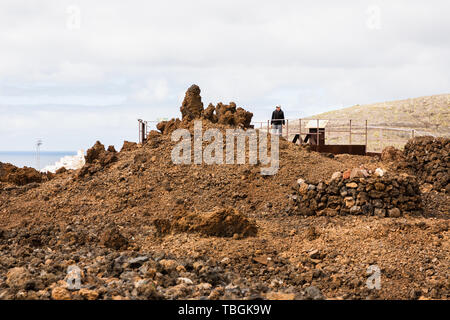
(192, 106)
(222, 222)
(391, 154)
(113, 239)
(21, 176)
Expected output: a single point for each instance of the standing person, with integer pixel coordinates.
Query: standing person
(277, 121)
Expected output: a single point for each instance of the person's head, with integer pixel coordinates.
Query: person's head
(278, 108)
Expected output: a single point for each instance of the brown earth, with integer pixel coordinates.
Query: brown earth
(222, 222)
(140, 227)
(21, 176)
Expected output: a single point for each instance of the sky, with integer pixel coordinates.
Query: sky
(73, 72)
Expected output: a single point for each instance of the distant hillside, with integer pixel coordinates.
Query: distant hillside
(431, 114)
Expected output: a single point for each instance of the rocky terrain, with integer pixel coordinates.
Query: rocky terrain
(21, 176)
(133, 225)
(429, 158)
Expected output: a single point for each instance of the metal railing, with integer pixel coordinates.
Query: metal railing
(337, 131)
(351, 132)
(145, 127)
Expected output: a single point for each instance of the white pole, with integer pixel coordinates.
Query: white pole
(38, 155)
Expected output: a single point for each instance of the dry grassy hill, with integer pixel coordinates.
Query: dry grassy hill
(418, 116)
(430, 114)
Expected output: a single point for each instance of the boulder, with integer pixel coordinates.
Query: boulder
(336, 176)
(112, 238)
(17, 278)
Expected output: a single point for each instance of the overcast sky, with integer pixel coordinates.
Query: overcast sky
(72, 72)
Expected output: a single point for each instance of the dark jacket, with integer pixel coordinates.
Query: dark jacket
(277, 115)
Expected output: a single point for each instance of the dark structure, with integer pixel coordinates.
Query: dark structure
(316, 139)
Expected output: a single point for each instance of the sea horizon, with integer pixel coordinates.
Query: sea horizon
(28, 157)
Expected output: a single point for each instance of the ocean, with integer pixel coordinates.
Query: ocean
(28, 158)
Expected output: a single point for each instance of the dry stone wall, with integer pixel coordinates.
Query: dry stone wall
(379, 195)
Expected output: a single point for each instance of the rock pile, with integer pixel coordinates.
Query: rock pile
(97, 158)
(192, 108)
(429, 158)
(382, 196)
(167, 127)
(228, 115)
(21, 176)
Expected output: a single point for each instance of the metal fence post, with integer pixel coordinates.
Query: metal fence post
(141, 131)
(350, 133)
(366, 137)
(146, 130)
(317, 135)
(287, 129)
(381, 138)
(300, 130)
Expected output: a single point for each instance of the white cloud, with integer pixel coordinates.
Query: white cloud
(84, 100)
(153, 91)
(307, 56)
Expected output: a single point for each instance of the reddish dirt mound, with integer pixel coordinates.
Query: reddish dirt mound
(128, 146)
(97, 158)
(222, 222)
(21, 176)
(167, 127)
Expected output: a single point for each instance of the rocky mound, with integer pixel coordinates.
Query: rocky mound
(21, 176)
(192, 109)
(97, 158)
(429, 159)
(228, 115)
(222, 222)
(108, 217)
